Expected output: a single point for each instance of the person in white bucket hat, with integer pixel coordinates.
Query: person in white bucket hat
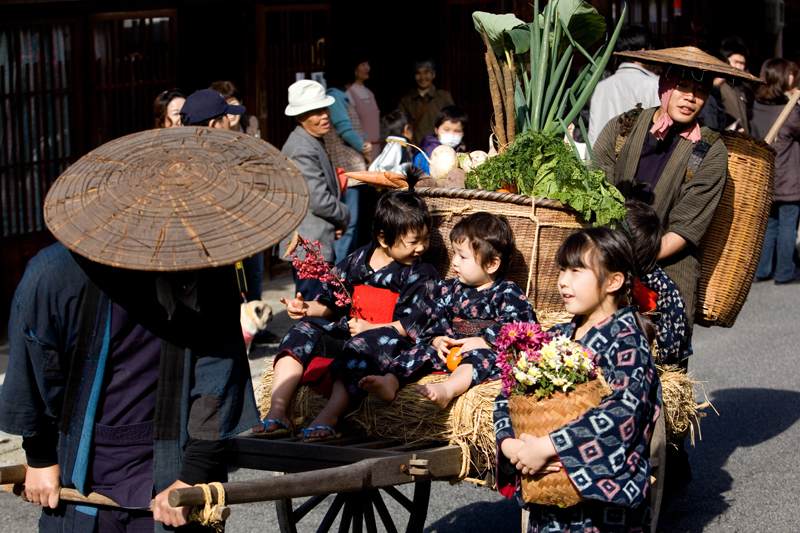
(327, 216)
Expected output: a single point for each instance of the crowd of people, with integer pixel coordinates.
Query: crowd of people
(403, 320)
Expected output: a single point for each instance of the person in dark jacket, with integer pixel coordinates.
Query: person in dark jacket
(771, 98)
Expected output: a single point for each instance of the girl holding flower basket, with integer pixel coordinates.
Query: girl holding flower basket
(604, 451)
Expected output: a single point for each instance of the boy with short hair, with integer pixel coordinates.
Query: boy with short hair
(450, 125)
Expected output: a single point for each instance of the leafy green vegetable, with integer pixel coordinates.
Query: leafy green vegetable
(542, 165)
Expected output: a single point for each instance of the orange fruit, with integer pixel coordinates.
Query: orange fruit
(453, 358)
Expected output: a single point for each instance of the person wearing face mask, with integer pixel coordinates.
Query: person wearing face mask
(449, 130)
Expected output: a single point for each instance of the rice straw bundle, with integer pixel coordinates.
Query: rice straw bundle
(548, 318)
(411, 417)
(680, 410)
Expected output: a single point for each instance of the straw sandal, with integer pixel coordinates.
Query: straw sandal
(304, 432)
(282, 429)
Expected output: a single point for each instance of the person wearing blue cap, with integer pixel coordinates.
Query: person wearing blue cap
(207, 107)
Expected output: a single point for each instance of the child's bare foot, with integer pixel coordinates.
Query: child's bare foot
(271, 417)
(384, 387)
(438, 393)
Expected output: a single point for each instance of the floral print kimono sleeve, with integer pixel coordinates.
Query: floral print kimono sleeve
(438, 312)
(674, 342)
(511, 305)
(416, 296)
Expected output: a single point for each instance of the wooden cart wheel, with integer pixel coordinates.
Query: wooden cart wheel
(658, 453)
(359, 511)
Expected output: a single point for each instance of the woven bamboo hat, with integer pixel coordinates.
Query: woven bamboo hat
(689, 56)
(176, 199)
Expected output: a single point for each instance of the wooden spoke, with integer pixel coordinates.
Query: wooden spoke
(369, 514)
(347, 515)
(400, 498)
(383, 512)
(356, 512)
(304, 509)
(332, 513)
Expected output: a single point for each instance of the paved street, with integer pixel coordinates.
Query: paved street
(744, 474)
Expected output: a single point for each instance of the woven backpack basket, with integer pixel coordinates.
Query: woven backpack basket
(542, 417)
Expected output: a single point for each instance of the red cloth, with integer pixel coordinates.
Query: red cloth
(645, 298)
(317, 376)
(375, 305)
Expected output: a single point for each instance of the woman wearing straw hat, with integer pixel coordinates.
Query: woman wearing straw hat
(327, 216)
(127, 370)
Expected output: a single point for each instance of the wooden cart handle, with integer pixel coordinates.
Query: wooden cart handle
(773, 132)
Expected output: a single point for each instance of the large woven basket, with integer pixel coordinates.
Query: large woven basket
(542, 417)
(732, 243)
(539, 227)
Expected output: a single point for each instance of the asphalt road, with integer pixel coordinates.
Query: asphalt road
(744, 474)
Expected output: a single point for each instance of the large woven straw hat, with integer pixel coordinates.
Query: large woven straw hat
(689, 56)
(176, 199)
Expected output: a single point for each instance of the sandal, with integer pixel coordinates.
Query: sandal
(305, 431)
(282, 429)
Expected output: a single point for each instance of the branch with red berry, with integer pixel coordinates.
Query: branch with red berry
(313, 266)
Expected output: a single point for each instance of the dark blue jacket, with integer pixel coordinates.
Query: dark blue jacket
(204, 388)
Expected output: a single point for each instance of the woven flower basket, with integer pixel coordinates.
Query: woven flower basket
(542, 417)
(539, 229)
(732, 243)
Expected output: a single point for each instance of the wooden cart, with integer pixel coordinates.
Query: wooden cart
(360, 473)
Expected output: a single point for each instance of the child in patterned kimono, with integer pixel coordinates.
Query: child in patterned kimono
(468, 312)
(390, 287)
(604, 451)
(654, 291)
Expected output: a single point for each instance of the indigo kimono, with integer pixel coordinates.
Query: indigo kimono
(674, 342)
(56, 372)
(459, 311)
(605, 452)
(396, 292)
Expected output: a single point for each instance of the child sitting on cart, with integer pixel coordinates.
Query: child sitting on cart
(389, 287)
(605, 451)
(468, 312)
(654, 291)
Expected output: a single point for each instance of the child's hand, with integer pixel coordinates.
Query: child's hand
(510, 447)
(471, 343)
(537, 455)
(296, 308)
(442, 345)
(360, 326)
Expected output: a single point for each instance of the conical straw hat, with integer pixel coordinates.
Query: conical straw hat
(176, 199)
(689, 56)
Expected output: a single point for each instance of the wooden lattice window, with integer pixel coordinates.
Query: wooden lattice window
(37, 117)
(134, 59)
(291, 43)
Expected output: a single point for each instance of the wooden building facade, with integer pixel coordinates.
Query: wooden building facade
(76, 74)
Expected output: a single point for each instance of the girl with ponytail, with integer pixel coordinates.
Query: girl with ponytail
(605, 451)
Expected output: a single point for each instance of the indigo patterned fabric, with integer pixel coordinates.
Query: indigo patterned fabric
(501, 303)
(674, 343)
(605, 451)
(414, 284)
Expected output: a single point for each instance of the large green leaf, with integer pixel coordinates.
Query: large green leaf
(520, 38)
(496, 27)
(585, 24)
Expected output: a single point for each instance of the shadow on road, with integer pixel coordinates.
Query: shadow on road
(499, 516)
(747, 417)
